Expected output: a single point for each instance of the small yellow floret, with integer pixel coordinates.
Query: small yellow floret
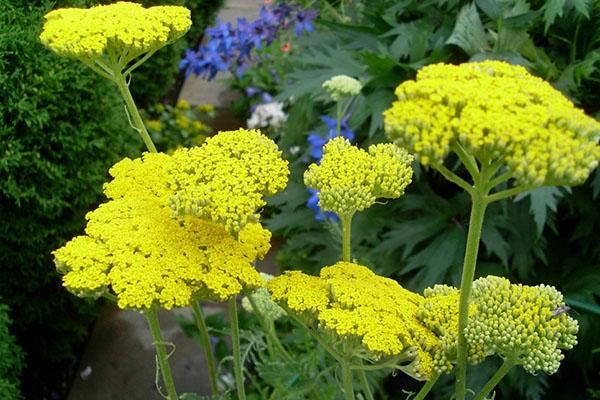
(137, 250)
(497, 112)
(123, 30)
(350, 179)
(226, 178)
(354, 304)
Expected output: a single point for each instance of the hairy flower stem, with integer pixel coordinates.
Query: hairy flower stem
(426, 388)
(347, 380)
(269, 328)
(362, 375)
(346, 221)
(478, 206)
(494, 380)
(338, 118)
(205, 339)
(136, 118)
(161, 353)
(237, 354)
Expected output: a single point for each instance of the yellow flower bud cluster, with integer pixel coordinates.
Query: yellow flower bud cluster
(350, 179)
(261, 298)
(363, 309)
(439, 313)
(135, 248)
(524, 323)
(341, 86)
(497, 112)
(225, 179)
(122, 30)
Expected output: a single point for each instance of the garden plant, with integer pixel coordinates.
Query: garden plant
(184, 227)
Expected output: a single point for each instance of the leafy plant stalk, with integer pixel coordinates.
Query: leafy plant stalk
(362, 375)
(347, 380)
(495, 379)
(237, 353)
(346, 221)
(161, 353)
(478, 207)
(426, 388)
(137, 122)
(208, 353)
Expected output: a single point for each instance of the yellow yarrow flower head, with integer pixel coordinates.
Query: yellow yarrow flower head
(135, 249)
(342, 86)
(118, 32)
(350, 179)
(371, 314)
(524, 323)
(226, 178)
(497, 112)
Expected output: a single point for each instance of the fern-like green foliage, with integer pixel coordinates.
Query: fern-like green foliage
(547, 235)
(11, 359)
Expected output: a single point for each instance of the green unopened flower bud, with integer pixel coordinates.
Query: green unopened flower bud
(263, 302)
(342, 86)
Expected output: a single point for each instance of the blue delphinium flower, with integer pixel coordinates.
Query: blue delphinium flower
(313, 204)
(231, 47)
(316, 142)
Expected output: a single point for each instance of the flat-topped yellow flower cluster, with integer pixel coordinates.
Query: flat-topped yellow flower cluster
(121, 31)
(225, 179)
(497, 112)
(519, 322)
(137, 249)
(357, 306)
(350, 179)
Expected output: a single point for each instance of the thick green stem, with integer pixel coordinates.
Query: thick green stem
(208, 354)
(346, 221)
(161, 353)
(362, 375)
(347, 381)
(237, 353)
(338, 125)
(478, 207)
(426, 388)
(494, 380)
(136, 118)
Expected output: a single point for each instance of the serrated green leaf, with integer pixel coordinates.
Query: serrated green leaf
(492, 8)
(582, 7)
(468, 33)
(494, 241)
(542, 199)
(552, 10)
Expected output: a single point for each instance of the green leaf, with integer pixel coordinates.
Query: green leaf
(582, 7)
(491, 8)
(468, 33)
(542, 199)
(595, 184)
(552, 10)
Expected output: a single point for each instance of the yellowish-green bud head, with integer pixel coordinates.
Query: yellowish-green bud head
(261, 299)
(361, 309)
(135, 248)
(525, 323)
(225, 180)
(350, 179)
(439, 313)
(497, 112)
(342, 86)
(123, 29)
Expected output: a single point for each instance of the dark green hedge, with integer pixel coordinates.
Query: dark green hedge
(61, 128)
(11, 359)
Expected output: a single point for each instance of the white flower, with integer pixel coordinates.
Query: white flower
(267, 115)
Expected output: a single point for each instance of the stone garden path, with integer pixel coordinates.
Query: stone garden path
(118, 362)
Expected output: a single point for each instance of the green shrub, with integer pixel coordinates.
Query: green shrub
(11, 359)
(61, 127)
